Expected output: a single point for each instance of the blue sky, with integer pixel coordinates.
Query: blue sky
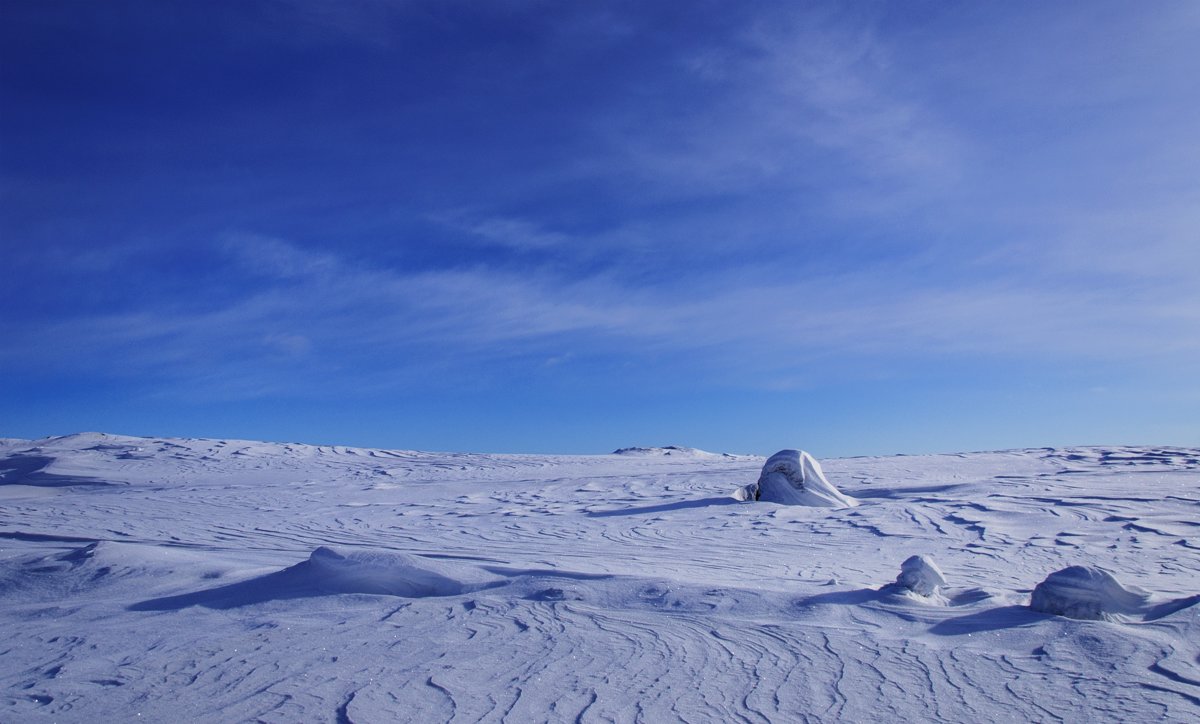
(855, 228)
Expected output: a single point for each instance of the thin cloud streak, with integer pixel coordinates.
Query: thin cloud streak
(323, 312)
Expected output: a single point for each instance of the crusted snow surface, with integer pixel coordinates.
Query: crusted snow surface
(163, 579)
(793, 477)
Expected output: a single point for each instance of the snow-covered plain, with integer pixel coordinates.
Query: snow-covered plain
(218, 580)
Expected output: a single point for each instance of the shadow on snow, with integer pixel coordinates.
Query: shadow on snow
(666, 507)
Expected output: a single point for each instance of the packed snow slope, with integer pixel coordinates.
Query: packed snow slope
(217, 581)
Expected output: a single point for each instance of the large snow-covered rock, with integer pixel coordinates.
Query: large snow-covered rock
(793, 477)
(1087, 592)
(920, 575)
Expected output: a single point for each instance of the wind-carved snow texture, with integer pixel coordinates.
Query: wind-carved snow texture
(222, 580)
(793, 477)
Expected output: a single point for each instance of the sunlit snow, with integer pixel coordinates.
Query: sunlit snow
(223, 580)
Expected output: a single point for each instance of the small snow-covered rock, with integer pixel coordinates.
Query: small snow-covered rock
(920, 575)
(746, 492)
(1087, 592)
(793, 477)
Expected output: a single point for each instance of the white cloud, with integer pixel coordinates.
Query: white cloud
(1016, 242)
(512, 233)
(758, 327)
(269, 256)
(805, 100)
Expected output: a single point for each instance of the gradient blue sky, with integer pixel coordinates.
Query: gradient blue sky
(856, 228)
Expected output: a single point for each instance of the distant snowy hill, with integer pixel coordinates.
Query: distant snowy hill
(673, 450)
(160, 579)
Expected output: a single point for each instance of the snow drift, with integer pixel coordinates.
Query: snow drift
(383, 572)
(793, 477)
(329, 571)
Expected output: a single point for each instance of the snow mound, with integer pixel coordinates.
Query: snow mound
(381, 572)
(332, 572)
(1087, 592)
(793, 477)
(920, 575)
(668, 450)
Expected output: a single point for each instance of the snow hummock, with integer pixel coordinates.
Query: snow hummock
(920, 575)
(1087, 592)
(381, 572)
(793, 477)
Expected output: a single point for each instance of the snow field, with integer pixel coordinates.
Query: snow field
(214, 580)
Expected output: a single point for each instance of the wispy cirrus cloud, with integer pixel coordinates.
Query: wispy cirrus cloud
(803, 101)
(304, 314)
(511, 233)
